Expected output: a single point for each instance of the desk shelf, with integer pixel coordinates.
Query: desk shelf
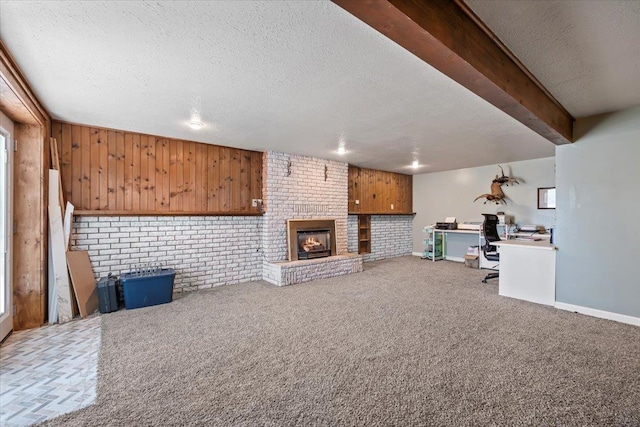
(364, 234)
(433, 244)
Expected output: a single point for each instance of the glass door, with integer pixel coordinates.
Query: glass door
(6, 316)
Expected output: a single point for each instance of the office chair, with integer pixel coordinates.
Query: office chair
(490, 233)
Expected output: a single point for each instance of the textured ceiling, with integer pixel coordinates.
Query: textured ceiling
(292, 76)
(586, 53)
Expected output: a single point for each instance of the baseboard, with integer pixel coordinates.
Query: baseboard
(622, 318)
(448, 258)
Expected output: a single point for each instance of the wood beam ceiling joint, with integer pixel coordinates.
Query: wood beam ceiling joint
(449, 37)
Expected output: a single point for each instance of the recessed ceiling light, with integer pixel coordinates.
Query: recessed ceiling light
(195, 125)
(415, 164)
(342, 150)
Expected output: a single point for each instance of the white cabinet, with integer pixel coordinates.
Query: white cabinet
(528, 271)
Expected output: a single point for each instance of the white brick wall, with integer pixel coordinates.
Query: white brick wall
(302, 194)
(300, 191)
(391, 236)
(204, 251)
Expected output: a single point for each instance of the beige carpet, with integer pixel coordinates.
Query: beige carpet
(406, 342)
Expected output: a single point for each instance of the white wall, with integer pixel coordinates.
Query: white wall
(598, 196)
(442, 194)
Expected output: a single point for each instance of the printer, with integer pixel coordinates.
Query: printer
(448, 224)
(475, 226)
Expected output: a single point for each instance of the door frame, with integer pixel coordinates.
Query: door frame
(6, 319)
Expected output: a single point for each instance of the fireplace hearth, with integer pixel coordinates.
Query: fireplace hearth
(311, 238)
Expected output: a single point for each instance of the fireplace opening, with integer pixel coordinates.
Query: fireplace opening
(314, 243)
(311, 238)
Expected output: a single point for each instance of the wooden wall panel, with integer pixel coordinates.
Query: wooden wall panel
(30, 182)
(151, 173)
(135, 173)
(128, 172)
(112, 162)
(190, 177)
(224, 179)
(255, 177)
(120, 166)
(159, 175)
(200, 187)
(94, 189)
(85, 167)
(103, 164)
(377, 190)
(29, 254)
(106, 171)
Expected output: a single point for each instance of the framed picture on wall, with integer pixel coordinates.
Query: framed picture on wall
(547, 198)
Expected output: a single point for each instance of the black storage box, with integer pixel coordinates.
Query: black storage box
(107, 298)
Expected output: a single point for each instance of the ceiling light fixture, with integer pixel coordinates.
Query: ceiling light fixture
(342, 149)
(415, 164)
(196, 125)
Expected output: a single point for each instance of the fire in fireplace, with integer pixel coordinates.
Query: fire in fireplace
(311, 238)
(314, 243)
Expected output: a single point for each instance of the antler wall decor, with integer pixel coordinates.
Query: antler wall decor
(497, 196)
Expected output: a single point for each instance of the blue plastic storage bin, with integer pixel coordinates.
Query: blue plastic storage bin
(145, 290)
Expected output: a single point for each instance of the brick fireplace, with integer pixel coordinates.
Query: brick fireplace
(302, 189)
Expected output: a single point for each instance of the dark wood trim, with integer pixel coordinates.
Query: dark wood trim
(16, 81)
(30, 242)
(445, 36)
(162, 213)
(12, 106)
(383, 214)
(506, 50)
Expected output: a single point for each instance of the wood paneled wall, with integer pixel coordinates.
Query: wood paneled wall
(30, 237)
(31, 130)
(378, 190)
(116, 172)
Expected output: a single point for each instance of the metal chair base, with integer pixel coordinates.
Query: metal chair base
(490, 276)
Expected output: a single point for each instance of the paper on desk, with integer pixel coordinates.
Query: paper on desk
(450, 219)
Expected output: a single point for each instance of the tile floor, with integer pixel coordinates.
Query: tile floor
(48, 371)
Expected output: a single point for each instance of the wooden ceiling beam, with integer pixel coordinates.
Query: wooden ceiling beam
(450, 38)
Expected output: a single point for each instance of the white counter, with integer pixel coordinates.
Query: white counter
(533, 244)
(528, 270)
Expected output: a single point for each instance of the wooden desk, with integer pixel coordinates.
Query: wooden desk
(527, 270)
